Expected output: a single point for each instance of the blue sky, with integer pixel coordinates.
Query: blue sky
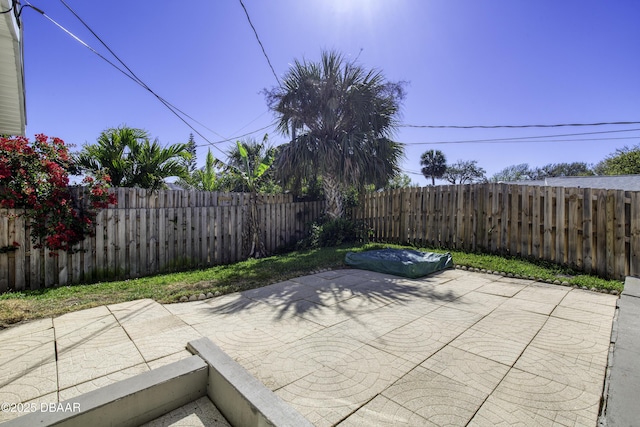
(495, 62)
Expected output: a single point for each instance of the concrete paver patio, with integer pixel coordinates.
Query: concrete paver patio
(350, 348)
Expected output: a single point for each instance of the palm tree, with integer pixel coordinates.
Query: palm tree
(340, 118)
(205, 179)
(434, 164)
(132, 160)
(251, 175)
(110, 153)
(151, 164)
(246, 156)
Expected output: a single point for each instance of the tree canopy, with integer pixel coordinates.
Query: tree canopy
(519, 172)
(205, 179)
(340, 118)
(434, 164)
(464, 172)
(399, 181)
(243, 161)
(552, 170)
(523, 172)
(131, 159)
(624, 161)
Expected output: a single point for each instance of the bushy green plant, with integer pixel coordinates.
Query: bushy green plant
(333, 232)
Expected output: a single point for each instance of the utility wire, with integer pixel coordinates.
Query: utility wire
(11, 7)
(516, 126)
(264, 52)
(130, 75)
(524, 142)
(164, 101)
(519, 138)
(135, 77)
(252, 121)
(239, 136)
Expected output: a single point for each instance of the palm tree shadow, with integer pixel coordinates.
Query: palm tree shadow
(346, 292)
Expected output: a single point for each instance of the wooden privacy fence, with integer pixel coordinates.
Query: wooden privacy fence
(148, 233)
(592, 230)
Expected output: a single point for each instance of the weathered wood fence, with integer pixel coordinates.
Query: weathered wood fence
(148, 233)
(592, 230)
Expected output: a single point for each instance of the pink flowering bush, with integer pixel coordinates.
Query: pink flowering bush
(35, 178)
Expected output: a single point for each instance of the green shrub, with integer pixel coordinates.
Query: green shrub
(327, 233)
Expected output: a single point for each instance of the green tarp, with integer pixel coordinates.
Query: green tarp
(400, 262)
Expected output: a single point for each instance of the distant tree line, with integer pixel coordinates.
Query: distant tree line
(624, 161)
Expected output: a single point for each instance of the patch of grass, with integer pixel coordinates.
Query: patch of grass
(539, 270)
(165, 288)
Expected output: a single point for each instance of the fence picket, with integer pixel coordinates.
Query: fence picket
(35, 264)
(504, 217)
(515, 220)
(121, 244)
(601, 227)
(143, 242)
(540, 242)
(572, 228)
(587, 230)
(611, 238)
(76, 265)
(4, 256)
(17, 234)
(153, 237)
(63, 267)
(526, 230)
(621, 268)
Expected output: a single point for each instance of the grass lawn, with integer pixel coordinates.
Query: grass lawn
(19, 306)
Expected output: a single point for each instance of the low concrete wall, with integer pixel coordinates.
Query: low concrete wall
(130, 402)
(242, 399)
(622, 387)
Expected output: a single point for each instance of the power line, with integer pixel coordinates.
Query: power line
(135, 77)
(138, 79)
(523, 142)
(247, 125)
(519, 138)
(515, 126)
(264, 52)
(11, 7)
(129, 74)
(239, 136)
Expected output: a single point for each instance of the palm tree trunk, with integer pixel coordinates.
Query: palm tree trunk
(253, 244)
(333, 196)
